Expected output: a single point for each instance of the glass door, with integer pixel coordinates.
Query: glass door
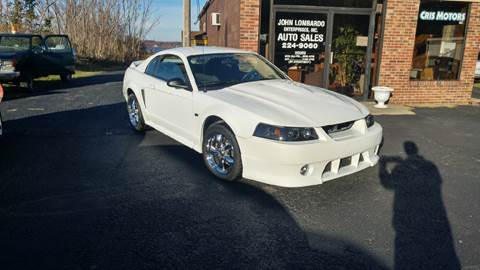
(348, 56)
(300, 43)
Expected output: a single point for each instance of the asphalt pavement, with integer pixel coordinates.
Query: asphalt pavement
(80, 190)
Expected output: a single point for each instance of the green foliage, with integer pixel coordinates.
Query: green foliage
(347, 53)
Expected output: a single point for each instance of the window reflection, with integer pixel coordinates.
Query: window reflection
(439, 41)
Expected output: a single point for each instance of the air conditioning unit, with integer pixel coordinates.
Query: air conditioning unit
(216, 19)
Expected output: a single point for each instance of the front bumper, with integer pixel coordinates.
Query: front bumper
(279, 163)
(9, 75)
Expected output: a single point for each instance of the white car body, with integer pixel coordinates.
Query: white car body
(182, 114)
(477, 69)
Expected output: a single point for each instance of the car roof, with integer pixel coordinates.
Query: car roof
(17, 35)
(27, 35)
(201, 50)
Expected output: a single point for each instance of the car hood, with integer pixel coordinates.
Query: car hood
(287, 103)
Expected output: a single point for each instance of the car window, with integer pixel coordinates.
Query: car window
(14, 43)
(171, 67)
(36, 42)
(152, 66)
(214, 71)
(58, 44)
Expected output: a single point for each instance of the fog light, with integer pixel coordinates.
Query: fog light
(305, 170)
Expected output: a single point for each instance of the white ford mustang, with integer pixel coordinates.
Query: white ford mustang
(248, 119)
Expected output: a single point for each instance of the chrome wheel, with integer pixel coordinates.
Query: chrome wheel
(220, 154)
(133, 112)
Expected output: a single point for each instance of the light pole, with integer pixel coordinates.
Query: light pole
(186, 23)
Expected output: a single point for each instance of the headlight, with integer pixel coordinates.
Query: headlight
(370, 120)
(7, 65)
(287, 134)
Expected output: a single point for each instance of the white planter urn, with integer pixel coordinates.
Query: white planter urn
(382, 94)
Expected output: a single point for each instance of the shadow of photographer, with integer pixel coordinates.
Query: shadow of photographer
(423, 237)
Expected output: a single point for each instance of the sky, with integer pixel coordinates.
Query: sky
(170, 14)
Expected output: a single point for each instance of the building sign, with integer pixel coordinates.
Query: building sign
(299, 38)
(443, 16)
(443, 12)
(362, 41)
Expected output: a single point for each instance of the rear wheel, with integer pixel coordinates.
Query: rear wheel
(135, 115)
(221, 153)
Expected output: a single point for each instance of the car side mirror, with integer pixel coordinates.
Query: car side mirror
(178, 83)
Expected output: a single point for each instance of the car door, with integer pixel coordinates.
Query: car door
(37, 64)
(149, 94)
(172, 108)
(59, 54)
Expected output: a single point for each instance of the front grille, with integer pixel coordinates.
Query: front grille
(344, 162)
(328, 168)
(338, 127)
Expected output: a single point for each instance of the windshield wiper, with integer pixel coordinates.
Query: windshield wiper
(219, 84)
(267, 79)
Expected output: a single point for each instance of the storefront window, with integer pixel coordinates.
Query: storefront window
(327, 3)
(439, 41)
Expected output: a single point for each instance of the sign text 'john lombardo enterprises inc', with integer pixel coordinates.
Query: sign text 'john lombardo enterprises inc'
(299, 38)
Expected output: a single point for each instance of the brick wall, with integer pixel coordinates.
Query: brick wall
(396, 61)
(249, 24)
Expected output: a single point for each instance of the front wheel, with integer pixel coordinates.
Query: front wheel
(66, 78)
(28, 82)
(221, 153)
(135, 113)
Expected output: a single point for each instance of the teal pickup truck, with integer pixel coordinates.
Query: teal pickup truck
(24, 57)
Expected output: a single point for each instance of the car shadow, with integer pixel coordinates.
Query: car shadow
(80, 190)
(423, 237)
(53, 87)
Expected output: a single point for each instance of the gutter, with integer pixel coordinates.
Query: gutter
(204, 9)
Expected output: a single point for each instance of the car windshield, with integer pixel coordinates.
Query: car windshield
(215, 71)
(11, 43)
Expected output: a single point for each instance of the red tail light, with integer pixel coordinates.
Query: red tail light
(1, 92)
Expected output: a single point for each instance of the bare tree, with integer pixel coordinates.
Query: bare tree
(99, 29)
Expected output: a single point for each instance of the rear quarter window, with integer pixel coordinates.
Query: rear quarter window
(58, 44)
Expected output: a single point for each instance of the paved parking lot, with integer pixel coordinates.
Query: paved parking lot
(80, 190)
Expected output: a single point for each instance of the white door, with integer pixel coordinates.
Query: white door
(171, 107)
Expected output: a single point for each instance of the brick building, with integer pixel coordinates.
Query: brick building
(425, 49)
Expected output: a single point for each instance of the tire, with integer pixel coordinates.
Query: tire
(66, 78)
(221, 153)
(28, 79)
(135, 115)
